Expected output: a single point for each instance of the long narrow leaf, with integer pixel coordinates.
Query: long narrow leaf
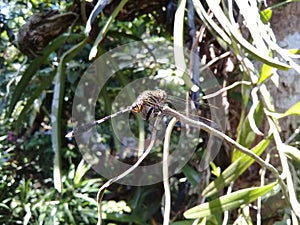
(105, 28)
(245, 134)
(97, 9)
(294, 110)
(228, 202)
(178, 35)
(206, 18)
(56, 110)
(81, 170)
(236, 169)
(179, 45)
(44, 84)
(34, 67)
(223, 20)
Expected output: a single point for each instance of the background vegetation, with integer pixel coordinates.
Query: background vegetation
(43, 177)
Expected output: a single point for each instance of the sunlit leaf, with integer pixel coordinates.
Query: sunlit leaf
(246, 136)
(178, 34)
(90, 185)
(215, 170)
(96, 10)
(294, 110)
(294, 51)
(235, 34)
(69, 212)
(237, 168)
(291, 152)
(81, 170)
(266, 15)
(105, 29)
(56, 111)
(215, 27)
(266, 72)
(255, 105)
(85, 197)
(228, 202)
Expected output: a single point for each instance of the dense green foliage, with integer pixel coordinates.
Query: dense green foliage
(44, 179)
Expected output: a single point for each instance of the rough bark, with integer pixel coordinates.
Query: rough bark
(41, 28)
(44, 27)
(285, 88)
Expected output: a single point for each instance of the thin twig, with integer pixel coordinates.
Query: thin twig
(226, 88)
(214, 60)
(125, 173)
(166, 184)
(169, 111)
(293, 136)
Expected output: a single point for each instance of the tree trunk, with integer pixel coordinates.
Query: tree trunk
(285, 23)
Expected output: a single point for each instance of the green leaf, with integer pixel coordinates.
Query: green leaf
(183, 222)
(266, 72)
(245, 135)
(291, 152)
(294, 51)
(118, 217)
(81, 170)
(34, 67)
(90, 185)
(179, 44)
(56, 110)
(105, 29)
(228, 202)
(237, 168)
(86, 198)
(215, 170)
(44, 84)
(206, 18)
(265, 15)
(192, 175)
(69, 212)
(71, 172)
(2, 205)
(294, 110)
(236, 35)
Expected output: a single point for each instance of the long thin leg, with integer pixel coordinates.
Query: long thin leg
(113, 115)
(87, 126)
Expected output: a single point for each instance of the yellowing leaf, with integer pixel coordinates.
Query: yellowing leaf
(266, 15)
(236, 169)
(294, 110)
(266, 72)
(294, 51)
